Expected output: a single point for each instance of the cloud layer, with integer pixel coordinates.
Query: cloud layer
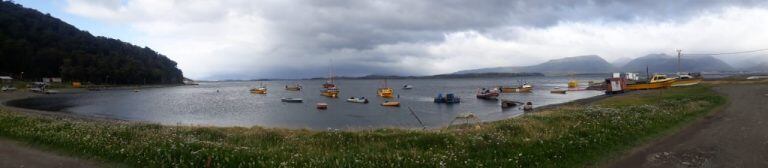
(242, 39)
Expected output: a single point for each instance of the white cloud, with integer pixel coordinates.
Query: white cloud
(253, 39)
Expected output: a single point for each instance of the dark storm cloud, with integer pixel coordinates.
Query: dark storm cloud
(380, 37)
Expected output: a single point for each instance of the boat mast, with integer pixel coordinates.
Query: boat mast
(679, 53)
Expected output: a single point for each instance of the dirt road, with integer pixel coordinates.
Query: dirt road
(14, 154)
(737, 136)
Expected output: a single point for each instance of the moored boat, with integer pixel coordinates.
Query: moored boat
(488, 94)
(259, 90)
(526, 87)
(449, 98)
(557, 90)
(385, 92)
(322, 106)
(292, 100)
(656, 82)
(358, 100)
(391, 103)
(407, 87)
(295, 87)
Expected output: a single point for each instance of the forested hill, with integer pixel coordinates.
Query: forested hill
(43, 46)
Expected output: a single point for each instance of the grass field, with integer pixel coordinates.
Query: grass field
(568, 136)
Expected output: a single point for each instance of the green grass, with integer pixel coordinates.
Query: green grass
(570, 136)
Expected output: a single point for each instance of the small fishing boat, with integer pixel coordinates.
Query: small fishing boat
(510, 103)
(391, 103)
(449, 98)
(358, 100)
(292, 100)
(407, 87)
(136, 90)
(526, 87)
(295, 87)
(688, 80)
(488, 94)
(656, 82)
(322, 106)
(385, 92)
(573, 84)
(259, 90)
(329, 88)
(557, 90)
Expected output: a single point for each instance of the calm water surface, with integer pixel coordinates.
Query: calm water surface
(231, 104)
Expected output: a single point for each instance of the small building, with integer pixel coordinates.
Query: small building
(7, 83)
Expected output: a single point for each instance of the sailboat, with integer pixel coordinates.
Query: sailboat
(329, 88)
(259, 90)
(385, 91)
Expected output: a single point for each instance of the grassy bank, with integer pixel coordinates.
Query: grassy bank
(574, 135)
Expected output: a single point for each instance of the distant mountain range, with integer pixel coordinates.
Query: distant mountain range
(577, 64)
(441, 76)
(595, 64)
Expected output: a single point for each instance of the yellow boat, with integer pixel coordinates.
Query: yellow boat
(259, 90)
(329, 88)
(330, 92)
(573, 84)
(385, 91)
(656, 82)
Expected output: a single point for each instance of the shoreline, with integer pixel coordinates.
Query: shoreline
(20, 95)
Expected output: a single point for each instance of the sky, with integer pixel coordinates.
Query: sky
(252, 39)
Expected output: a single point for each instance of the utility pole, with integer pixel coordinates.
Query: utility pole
(679, 53)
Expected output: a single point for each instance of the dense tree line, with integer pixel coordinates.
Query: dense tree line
(43, 46)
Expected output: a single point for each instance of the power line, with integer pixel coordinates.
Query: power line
(727, 53)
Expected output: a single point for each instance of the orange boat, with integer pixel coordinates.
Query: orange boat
(385, 92)
(657, 82)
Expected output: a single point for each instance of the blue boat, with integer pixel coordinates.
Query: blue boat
(447, 99)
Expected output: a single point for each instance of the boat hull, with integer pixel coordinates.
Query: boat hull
(515, 89)
(686, 82)
(331, 94)
(288, 100)
(385, 92)
(646, 86)
(392, 104)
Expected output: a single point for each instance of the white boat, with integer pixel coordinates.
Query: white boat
(357, 100)
(407, 87)
(292, 100)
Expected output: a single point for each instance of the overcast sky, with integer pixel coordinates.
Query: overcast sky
(246, 39)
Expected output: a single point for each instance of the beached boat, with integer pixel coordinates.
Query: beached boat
(656, 82)
(292, 100)
(357, 100)
(516, 89)
(407, 87)
(385, 91)
(295, 87)
(449, 98)
(488, 94)
(510, 103)
(557, 90)
(391, 103)
(688, 80)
